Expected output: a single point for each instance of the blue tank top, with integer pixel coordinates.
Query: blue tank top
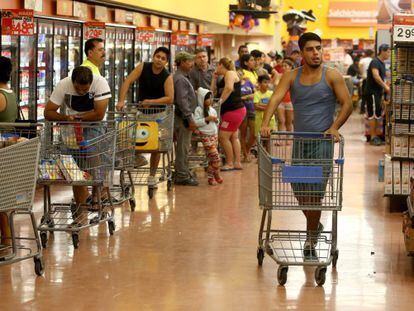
(313, 105)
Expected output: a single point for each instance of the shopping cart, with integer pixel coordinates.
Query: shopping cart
(155, 126)
(197, 157)
(123, 188)
(19, 158)
(306, 168)
(82, 155)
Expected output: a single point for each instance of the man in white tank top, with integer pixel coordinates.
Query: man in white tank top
(311, 111)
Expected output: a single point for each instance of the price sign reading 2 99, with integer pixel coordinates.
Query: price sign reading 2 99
(403, 33)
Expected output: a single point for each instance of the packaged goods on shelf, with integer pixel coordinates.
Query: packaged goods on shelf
(49, 169)
(388, 188)
(396, 146)
(411, 148)
(404, 146)
(397, 112)
(405, 178)
(405, 112)
(396, 170)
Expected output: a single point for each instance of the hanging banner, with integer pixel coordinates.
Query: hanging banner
(180, 39)
(17, 22)
(94, 30)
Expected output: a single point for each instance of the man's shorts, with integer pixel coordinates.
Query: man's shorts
(374, 106)
(312, 153)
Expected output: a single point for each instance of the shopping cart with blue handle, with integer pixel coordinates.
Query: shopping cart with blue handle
(300, 171)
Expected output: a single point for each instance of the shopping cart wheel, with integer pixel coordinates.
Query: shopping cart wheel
(75, 240)
(150, 192)
(282, 275)
(260, 256)
(38, 265)
(132, 204)
(111, 227)
(43, 239)
(335, 258)
(169, 184)
(320, 275)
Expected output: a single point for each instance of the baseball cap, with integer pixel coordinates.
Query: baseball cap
(183, 56)
(383, 47)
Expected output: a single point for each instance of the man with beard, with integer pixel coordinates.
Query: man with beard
(315, 90)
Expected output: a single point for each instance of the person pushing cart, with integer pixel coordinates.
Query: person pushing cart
(315, 91)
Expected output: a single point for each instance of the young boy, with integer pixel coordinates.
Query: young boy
(261, 99)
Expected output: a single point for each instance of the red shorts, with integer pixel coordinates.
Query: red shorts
(231, 120)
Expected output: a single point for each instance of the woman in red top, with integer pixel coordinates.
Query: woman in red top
(285, 109)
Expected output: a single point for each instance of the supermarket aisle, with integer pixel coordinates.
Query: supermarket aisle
(195, 249)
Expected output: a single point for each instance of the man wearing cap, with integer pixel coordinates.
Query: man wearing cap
(374, 90)
(202, 72)
(185, 103)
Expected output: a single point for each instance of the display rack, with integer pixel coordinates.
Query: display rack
(399, 163)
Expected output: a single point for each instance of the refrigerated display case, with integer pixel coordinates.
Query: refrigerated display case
(74, 47)
(109, 68)
(45, 75)
(60, 52)
(20, 49)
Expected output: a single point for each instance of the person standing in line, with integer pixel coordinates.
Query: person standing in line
(202, 72)
(248, 65)
(243, 50)
(374, 90)
(285, 109)
(206, 119)
(232, 112)
(95, 55)
(8, 113)
(295, 56)
(247, 96)
(260, 70)
(185, 102)
(315, 90)
(364, 64)
(155, 87)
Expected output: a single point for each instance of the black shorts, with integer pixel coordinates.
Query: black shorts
(374, 106)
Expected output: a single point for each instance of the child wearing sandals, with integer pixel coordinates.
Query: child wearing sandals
(205, 118)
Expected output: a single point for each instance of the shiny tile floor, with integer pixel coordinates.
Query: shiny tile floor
(195, 249)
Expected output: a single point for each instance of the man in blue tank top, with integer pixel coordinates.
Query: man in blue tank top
(315, 91)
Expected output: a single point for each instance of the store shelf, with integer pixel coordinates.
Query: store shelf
(402, 159)
(395, 195)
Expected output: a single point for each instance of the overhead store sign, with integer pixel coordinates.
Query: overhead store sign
(403, 28)
(180, 39)
(94, 30)
(17, 22)
(348, 14)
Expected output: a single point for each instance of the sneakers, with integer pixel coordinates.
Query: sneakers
(309, 251)
(186, 182)
(140, 160)
(152, 182)
(376, 141)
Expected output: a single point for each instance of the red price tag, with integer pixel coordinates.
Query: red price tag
(17, 22)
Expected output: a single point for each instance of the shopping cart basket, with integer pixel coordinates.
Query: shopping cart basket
(123, 188)
(19, 158)
(305, 168)
(155, 125)
(197, 156)
(82, 155)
